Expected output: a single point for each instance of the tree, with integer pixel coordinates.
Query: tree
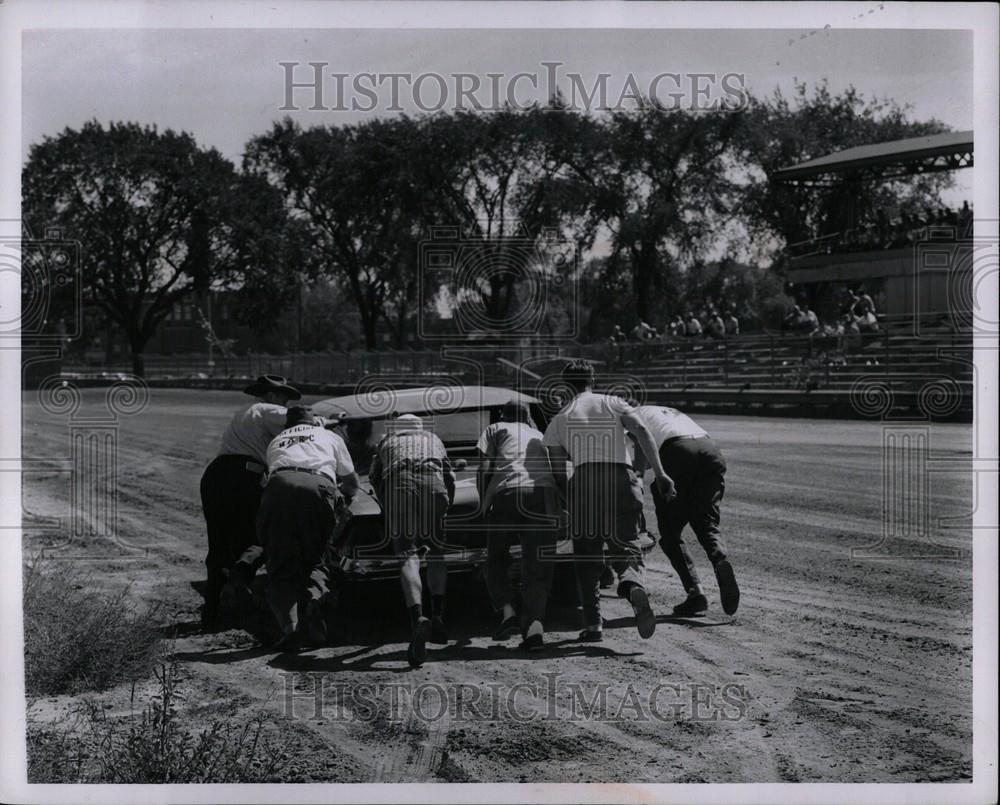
(505, 183)
(157, 218)
(661, 184)
(781, 132)
(346, 191)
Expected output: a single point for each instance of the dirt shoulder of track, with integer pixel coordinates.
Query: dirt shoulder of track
(837, 668)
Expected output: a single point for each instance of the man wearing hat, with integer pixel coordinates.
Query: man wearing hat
(231, 485)
(300, 506)
(416, 484)
(517, 491)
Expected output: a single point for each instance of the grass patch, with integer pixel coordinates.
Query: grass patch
(157, 745)
(77, 640)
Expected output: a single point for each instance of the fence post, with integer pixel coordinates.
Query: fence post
(774, 365)
(888, 352)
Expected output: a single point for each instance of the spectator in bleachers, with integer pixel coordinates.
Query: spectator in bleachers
(716, 327)
(642, 332)
(850, 333)
(732, 323)
(792, 320)
(808, 321)
(863, 310)
(692, 326)
(677, 328)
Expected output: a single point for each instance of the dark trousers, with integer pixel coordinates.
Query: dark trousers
(699, 473)
(298, 512)
(604, 502)
(230, 497)
(520, 516)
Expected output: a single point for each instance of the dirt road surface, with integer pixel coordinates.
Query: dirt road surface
(836, 668)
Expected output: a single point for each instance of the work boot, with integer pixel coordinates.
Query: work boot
(694, 605)
(508, 626)
(417, 651)
(729, 590)
(290, 643)
(439, 635)
(645, 620)
(533, 638)
(315, 623)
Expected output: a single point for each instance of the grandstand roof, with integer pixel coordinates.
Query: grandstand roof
(938, 152)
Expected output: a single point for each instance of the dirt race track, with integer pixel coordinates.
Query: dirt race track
(836, 668)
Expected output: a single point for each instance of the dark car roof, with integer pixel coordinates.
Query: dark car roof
(381, 403)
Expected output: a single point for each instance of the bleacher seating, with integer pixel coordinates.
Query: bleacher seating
(904, 357)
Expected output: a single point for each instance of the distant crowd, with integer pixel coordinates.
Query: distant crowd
(709, 322)
(894, 231)
(858, 317)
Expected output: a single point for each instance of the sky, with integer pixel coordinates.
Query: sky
(226, 85)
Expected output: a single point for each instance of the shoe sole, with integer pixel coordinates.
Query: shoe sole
(729, 590)
(417, 652)
(645, 620)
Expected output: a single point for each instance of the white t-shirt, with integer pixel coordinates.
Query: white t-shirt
(310, 447)
(518, 457)
(250, 431)
(590, 429)
(667, 423)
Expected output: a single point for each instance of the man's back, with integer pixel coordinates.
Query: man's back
(590, 429)
(250, 431)
(412, 449)
(310, 447)
(518, 457)
(666, 423)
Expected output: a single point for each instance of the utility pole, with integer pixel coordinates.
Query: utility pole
(211, 339)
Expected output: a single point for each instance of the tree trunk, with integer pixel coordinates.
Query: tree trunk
(137, 344)
(642, 280)
(138, 364)
(368, 323)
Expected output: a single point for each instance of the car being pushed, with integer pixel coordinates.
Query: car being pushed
(362, 548)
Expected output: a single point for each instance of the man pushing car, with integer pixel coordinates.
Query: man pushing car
(415, 483)
(309, 473)
(231, 486)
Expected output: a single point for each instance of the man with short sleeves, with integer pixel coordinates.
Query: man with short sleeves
(699, 472)
(517, 490)
(604, 494)
(693, 326)
(231, 486)
(414, 480)
(732, 323)
(300, 507)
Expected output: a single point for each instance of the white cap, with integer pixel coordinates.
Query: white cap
(407, 422)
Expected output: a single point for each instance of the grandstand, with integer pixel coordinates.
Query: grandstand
(919, 270)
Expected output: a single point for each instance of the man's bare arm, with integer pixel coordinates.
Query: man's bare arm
(483, 475)
(557, 460)
(349, 483)
(634, 425)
